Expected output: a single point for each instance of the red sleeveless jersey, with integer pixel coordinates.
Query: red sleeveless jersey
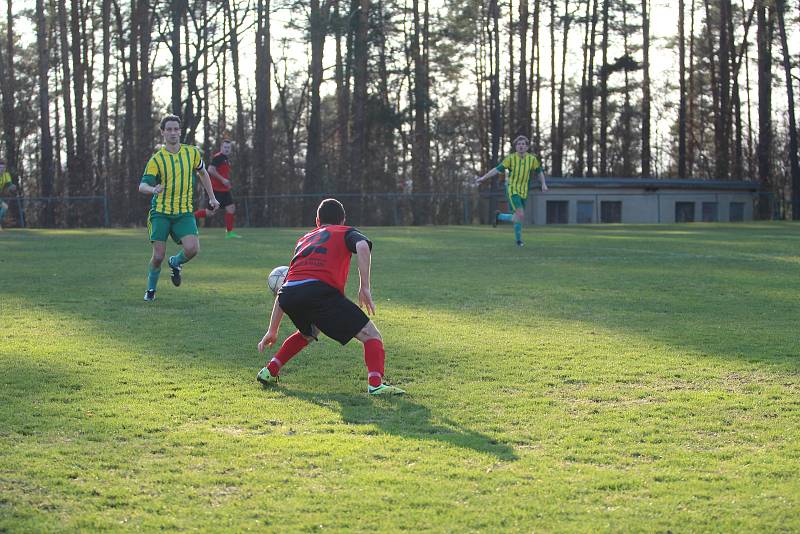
(324, 255)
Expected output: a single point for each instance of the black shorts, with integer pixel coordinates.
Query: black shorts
(225, 198)
(318, 304)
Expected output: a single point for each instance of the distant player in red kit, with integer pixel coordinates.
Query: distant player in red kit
(313, 297)
(220, 172)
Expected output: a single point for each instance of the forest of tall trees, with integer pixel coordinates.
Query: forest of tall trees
(390, 97)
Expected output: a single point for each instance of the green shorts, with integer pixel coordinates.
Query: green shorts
(515, 202)
(160, 226)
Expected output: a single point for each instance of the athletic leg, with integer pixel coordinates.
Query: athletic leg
(374, 358)
(519, 217)
(230, 217)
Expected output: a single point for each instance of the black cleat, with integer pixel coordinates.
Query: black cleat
(520, 244)
(176, 272)
(494, 221)
(150, 295)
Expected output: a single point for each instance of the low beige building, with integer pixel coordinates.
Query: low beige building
(638, 201)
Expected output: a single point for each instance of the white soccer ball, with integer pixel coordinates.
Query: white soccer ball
(276, 278)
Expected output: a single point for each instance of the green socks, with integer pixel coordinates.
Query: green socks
(152, 277)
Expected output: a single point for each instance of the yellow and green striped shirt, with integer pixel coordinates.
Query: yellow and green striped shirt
(519, 172)
(176, 173)
(5, 179)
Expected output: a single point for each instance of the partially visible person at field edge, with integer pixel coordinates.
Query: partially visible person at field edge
(519, 166)
(169, 176)
(5, 184)
(220, 171)
(313, 298)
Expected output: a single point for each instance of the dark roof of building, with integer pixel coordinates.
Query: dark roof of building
(653, 184)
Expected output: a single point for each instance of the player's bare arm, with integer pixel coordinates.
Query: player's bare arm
(150, 189)
(274, 323)
(493, 172)
(540, 175)
(364, 257)
(206, 181)
(212, 170)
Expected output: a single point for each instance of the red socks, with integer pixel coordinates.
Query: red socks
(229, 221)
(291, 346)
(374, 357)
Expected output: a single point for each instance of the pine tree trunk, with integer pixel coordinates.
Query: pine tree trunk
(556, 162)
(536, 85)
(690, 101)
(342, 75)
(262, 141)
(82, 161)
(722, 128)
(764, 36)
(682, 92)
(8, 91)
(558, 150)
(176, 13)
(646, 172)
(312, 183)
(358, 159)
(66, 94)
(579, 163)
(523, 113)
(604, 72)
(590, 97)
(45, 140)
(102, 157)
(420, 146)
(794, 164)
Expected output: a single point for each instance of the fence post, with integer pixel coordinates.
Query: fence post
(106, 215)
(21, 210)
(246, 212)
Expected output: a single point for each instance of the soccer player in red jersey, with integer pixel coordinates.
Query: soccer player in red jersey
(313, 298)
(220, 172)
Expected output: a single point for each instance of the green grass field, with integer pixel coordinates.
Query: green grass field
(601, 379)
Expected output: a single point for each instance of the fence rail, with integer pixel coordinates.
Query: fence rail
(288, 209)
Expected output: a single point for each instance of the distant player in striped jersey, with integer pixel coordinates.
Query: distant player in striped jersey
(5, 181)
(519, 166)
(169, 176)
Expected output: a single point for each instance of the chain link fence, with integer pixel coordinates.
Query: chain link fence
(297, 210)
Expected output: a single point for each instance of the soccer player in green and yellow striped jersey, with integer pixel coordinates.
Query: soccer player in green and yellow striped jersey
(169, 176)
(5, 181)
(519, 166)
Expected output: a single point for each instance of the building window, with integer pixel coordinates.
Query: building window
(557, 212)
(710, 212)
(611, 211)
(737, 211)
(585, 212)
(684, 212)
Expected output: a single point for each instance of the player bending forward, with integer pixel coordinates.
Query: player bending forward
(313, 297)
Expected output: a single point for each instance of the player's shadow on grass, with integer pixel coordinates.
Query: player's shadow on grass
(403, 417)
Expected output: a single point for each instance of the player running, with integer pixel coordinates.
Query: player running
(220, 171)
(169, 177)
(313, 298)
(519, 166)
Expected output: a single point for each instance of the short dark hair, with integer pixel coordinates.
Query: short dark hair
(225, 140)
(330, 211)
(170, 118)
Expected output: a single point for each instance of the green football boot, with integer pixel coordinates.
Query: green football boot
(385, 389)
(266, 378)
